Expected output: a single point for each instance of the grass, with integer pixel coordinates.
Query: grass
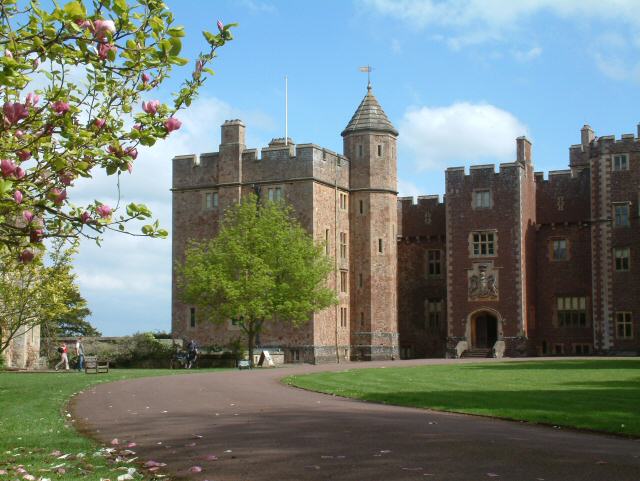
(601, 395)
(34, 424)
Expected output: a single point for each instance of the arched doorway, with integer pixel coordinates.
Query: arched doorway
(484, 329)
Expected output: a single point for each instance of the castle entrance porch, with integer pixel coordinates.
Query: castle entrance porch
(484, 330)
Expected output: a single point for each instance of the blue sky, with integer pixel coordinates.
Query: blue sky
(460, 79)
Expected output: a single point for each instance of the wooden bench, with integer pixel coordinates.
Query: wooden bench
(93, 365)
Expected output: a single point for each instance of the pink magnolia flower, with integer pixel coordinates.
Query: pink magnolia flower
(172, 124)
(24, 155)
(58, 196)
(129, 167)
(151, 107)
(14, 112)
(103, 210)
(8, 54)
(83, 23)
(35, 236)
(36, 63)
(85, 217)
(32, 99)
(99, 123)
(115, 442)
(17, 196)
(145, 78)
(28, 216)
(138, 127)
(26, 256)
(7, 167)
(19, 173)
(104, 49)
(60, 107)
(102, 27)
(220, 25)
(19, 133)
(131, 152)
(66, 178)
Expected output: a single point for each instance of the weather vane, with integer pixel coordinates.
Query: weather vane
(367, 69)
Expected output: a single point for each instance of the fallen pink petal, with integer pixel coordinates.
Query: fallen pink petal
(195, 469)
(114, 442)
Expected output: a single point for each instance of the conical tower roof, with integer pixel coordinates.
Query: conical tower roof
(369, 116)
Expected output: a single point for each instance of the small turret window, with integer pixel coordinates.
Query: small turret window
(379, 150)
(359, 150)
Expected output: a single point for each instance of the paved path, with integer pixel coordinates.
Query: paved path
(262, 430)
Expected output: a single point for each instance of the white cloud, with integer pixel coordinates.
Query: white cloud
(127, 281)
(408, 189)
(463, 132)
(464, 23)
(527, 55)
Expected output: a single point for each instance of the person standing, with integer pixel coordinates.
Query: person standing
(64, 358)
(192, 353)
(80, 353)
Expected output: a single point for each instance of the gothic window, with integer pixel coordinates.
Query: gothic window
(343, 317)
(620, 162)
(326, 241)
(560, 203)
(483, 244)
(559, 250)
(343, 201)
(343, 281)
(343, 245)
(482, 199)
(572, 311)
(624, 325)
(622, 255)
(434, 261)
(434, 314)
(621, 214)
(192, 317)
(210, 200)
(275, 194)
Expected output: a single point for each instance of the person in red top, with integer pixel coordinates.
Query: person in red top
(64, 358)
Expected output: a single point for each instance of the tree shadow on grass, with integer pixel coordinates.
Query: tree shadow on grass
(595, 364)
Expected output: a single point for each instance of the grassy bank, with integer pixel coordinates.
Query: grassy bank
(602, 395)
(38, 436)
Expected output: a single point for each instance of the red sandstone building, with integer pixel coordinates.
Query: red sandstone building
(509, 264)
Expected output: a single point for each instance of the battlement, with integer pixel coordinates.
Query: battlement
(480, 171)
(422, 200)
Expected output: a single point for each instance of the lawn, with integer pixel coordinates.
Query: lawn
(34, 424)
(602, 395)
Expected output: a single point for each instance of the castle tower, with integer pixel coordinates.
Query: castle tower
(370, 144)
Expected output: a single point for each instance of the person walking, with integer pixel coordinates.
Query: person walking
(64, 358)
(192, 353)
(80, 354)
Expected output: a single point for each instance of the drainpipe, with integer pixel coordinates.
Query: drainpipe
(335, 250)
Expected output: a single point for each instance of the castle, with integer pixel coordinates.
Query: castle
(509, 263)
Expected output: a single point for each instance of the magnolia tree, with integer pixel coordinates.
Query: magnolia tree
(78, 86)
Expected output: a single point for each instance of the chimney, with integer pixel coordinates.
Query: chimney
(587, 135)
(523, 150)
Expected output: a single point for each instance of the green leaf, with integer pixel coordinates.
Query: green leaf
(75, 10)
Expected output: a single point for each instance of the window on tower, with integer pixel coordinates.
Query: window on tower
(360, 153)
(379, 150)
(483, 244)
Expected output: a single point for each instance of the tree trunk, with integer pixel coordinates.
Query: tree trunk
(250, 337)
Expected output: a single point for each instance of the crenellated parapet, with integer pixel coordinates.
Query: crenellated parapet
(421, 220)
(279, 162)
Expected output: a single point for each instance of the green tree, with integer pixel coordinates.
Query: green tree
(31, 294)
(74, 321)
(262, 267)
(77, 97)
